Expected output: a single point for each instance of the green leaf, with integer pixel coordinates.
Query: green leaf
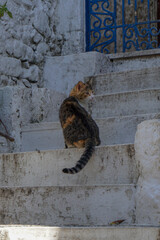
(5, 4)
(1, 14)
(9, 14)
(4, 9)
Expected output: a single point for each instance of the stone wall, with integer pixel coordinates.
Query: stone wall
(21, 106)
(38, 28)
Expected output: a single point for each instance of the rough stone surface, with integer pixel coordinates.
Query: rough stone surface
(20, 106)
(113, 82)
(108, 165)
(67, 206)
(125, 104)
(135, 60)
(53, 137)
(48, 135)
(10, 67)
(19, 50)
(70, 22)
(38, 28)
(60, 30)
(147, 148)
(62, 73)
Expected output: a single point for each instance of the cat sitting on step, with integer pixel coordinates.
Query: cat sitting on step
(79, 129)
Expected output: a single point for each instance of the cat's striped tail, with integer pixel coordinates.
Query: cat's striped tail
(89, 149)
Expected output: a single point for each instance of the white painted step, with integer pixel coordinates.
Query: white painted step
(114, 130)
(114, 82)
(67, 205)
(42, 136)
(68, 70)
(135, 60)
(121, 130)
(11, 232)
(108, 165)
(125, 104)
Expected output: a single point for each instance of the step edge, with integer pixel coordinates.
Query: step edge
(134, 54)
(131, 226)
(27, 129)
(64, 149)
(128, 92)
(131, 185)
(121, 72)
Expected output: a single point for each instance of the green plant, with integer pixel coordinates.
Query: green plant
(4, 9)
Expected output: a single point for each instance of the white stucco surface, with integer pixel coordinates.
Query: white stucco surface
(147, 152)
(63, 72)
(38, 28)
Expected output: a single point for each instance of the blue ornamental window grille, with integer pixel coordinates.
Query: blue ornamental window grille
(122, 25)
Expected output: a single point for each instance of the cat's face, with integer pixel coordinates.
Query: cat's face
(82, 91)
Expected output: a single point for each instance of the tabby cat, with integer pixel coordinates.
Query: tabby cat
(79, 129)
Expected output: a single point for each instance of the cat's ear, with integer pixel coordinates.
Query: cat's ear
(80, 85)
(90, 82)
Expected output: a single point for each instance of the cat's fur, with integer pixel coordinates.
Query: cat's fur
(79, 129)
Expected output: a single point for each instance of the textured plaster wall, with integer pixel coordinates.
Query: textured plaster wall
(38, 28)
(20, 106)
(147, 153)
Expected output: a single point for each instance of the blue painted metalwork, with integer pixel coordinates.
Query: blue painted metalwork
(102, 25)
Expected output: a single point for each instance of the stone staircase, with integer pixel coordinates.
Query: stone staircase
(34, 191)
(122, 100)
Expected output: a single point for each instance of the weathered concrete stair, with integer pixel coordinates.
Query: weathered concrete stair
(35, 191)
(132, 80)
(44, 195)
(135, 60)
(127, 103)
(113, 130)
(68, 205)
(109, 165)
(122, 101)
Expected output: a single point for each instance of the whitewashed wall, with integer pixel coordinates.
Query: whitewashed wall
(147, 149)
(38, 28)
